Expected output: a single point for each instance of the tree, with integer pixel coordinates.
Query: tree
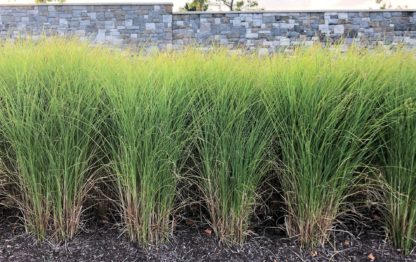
(196, 5)
(48, 1)
(233, 5)
(384, 4)
(238, 5)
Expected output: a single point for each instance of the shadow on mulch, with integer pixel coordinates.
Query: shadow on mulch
(190, 243)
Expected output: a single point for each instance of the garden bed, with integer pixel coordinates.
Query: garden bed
(315, 141)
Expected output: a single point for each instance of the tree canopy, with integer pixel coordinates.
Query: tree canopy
(232, 5)
(196, 5)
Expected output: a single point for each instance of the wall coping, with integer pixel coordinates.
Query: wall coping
(210, 12)
(87, 4)
(295, 11)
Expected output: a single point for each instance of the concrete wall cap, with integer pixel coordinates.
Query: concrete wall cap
(296, 11)
(88, 4)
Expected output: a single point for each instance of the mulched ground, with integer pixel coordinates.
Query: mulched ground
(106, 243)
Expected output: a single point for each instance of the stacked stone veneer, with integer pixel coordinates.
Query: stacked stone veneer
(138, 25)
(271, 30)
(115, 24)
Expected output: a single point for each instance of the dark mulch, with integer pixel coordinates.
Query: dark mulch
(106, 243)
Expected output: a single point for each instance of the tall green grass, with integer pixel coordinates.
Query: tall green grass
(325, 108)
(148, 142)
(399, 155)
(48, 119)
(320, 121)
(232, 140)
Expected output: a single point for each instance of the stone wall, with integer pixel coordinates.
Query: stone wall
(272, 30)
(114, 24)
(138, 25)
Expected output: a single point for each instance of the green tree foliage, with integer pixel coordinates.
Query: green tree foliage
(385, 4)
(232, 5)
(239, 5)
(49, 1)
(196, 5)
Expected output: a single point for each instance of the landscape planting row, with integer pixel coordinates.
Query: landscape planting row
(313, 127)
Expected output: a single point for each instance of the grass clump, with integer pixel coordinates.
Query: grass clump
(148, 105)
(399, 155)
(48, 119)
(232, 140)
(325, 107)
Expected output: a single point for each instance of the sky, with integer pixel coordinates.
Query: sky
(270, 4)
(330, 4)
